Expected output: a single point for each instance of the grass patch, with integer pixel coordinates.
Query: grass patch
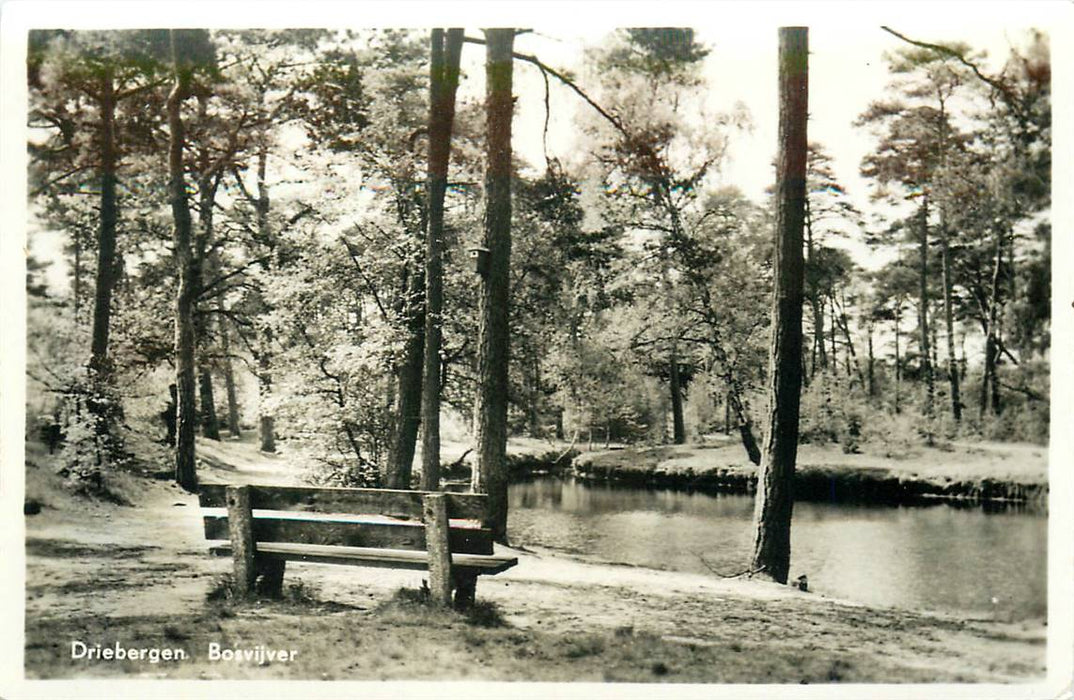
(586, 645)
(295, 596)
(485, 613)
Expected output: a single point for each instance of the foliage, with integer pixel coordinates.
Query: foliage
(631, 271)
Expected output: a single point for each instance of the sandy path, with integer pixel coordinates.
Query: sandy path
(126, 571)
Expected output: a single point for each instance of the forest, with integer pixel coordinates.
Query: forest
(541, 275)
(305, 235)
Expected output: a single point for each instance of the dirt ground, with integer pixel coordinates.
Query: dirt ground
(139, 576)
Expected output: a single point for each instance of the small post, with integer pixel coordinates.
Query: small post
(434, 511)
(241, 530)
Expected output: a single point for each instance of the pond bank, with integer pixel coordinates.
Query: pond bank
(985, 473)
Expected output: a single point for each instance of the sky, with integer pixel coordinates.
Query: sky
(847, 72)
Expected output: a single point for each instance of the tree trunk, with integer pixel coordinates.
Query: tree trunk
(443, 82)
(533, 396)
(818, 355)
(990, 381)
(182, 242)
(266, 423)
(898, 359)
(76, 239)
(923, 316)
(742, 418)
(775, 498)
(678, 424)
(99, 364)
(203, 269)
(831, 337)
(851, 356)
(397, 470)
(945, 263)
(489, 474)
(106, 251)
(952, 362)
(872, 363)
(229, 375)
(210, 424)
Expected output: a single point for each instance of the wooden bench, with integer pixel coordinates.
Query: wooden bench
(266, 526)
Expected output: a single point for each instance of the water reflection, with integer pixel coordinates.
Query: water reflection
(938, 557)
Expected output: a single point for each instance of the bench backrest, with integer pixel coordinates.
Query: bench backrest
(380, 518)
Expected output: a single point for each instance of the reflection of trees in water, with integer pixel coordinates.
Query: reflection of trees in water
(939, 557)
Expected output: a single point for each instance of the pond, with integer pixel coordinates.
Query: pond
(943, 558)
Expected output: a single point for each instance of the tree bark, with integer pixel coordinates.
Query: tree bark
(871, 388)
(898, 359)
(397, 471)
(678, 423)
(775, 498)
(203, 268)
(945, 263)
(850, 356)
(182, 242)
(229, 376)
(106, 250)
(489, 474)
(266, 423)
(818, 356)
(923, 316)
(443, 82)
(99, 363)
(210, 424)
(990, 380)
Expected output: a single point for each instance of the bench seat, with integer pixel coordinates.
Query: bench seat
(476, 564)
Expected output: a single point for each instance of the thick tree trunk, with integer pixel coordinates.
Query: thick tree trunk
(678, 435)
(100, 366)
(210, 424)
(182, 240)
(775, 499)
(443, 82)
(106, 249)
(489, 474)
(397, 470)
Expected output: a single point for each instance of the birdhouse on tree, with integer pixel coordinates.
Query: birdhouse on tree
(479, 258)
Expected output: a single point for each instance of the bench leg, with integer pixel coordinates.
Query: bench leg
(270, 572)
(465, 590)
